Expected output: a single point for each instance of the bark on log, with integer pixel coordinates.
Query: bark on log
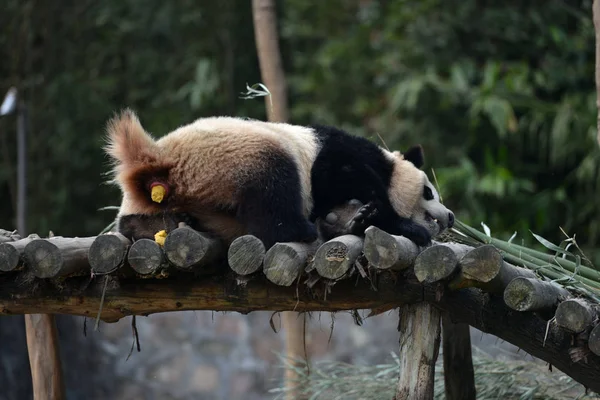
(419, 347)
(44, 357)
(108, 252)
(11, 253)
(246, 255)
(146, 257)
(58, 256)
(527, 294)
(486, 313)
(459, 374)
(189, 250)
(385, 251)
(594, 341)
(575, 315)
(336, 257)
(284, 262)
(435, 263)
(484, 267)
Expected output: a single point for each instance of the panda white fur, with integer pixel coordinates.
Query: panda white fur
(233, 176)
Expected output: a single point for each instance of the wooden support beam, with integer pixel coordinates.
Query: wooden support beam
(44, 357)
(459, 374)
(134, 297)
(419, 347)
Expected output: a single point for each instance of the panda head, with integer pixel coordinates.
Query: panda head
(413, 196)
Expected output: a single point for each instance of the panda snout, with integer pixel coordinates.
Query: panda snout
(450, 219)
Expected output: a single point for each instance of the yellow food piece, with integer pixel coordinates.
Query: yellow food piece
(160, 236)
(158, 193)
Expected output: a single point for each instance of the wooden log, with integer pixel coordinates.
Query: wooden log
(108, 252)
(11, 253)
(459, 374)
(144, 297)
(527, 294)
(44, 357)
(385, 251)
(594, 340)
(284, 262)
(187, 249)
(58, 256)
(146, 257)
(246, 255)
(336, 257)
(419, 347)
(484, 267)
(575, 315)
(435, 263)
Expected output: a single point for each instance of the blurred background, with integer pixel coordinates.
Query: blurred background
(500, 94)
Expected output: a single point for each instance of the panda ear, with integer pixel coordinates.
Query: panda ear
(415, 155)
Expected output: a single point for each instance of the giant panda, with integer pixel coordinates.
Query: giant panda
(233, 176)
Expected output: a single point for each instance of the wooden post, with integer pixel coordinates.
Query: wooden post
(419, 347)
(273, 77)
(44, 357)
(459, 375)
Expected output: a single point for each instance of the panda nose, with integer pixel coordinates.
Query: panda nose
(450, 220)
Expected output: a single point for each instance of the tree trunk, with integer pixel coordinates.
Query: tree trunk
(596, 17)
(273, 77)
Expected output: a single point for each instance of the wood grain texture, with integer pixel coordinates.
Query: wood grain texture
(44, 357)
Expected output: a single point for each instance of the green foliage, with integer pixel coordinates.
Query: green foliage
(501, 95)
(495, 378)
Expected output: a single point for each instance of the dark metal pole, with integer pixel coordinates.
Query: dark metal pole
(21, 169)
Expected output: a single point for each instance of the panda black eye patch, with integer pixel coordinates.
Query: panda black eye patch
(427, 193)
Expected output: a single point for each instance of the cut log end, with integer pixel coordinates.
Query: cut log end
(334, 258)
(187, 249)
(145, 257)
(246, 254)
(435, 263)
(482, 263)
(385, 251)
(284, 262)
(527, 294)
(594, 341)
(107, 253)
(9, 257)
(44, 258)
(575, 315)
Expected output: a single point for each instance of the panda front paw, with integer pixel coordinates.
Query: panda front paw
(420, 236)
(362, 219)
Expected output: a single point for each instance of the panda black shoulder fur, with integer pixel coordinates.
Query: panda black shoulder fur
(233, 176)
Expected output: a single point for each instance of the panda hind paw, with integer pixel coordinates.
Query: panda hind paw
(362, 218)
